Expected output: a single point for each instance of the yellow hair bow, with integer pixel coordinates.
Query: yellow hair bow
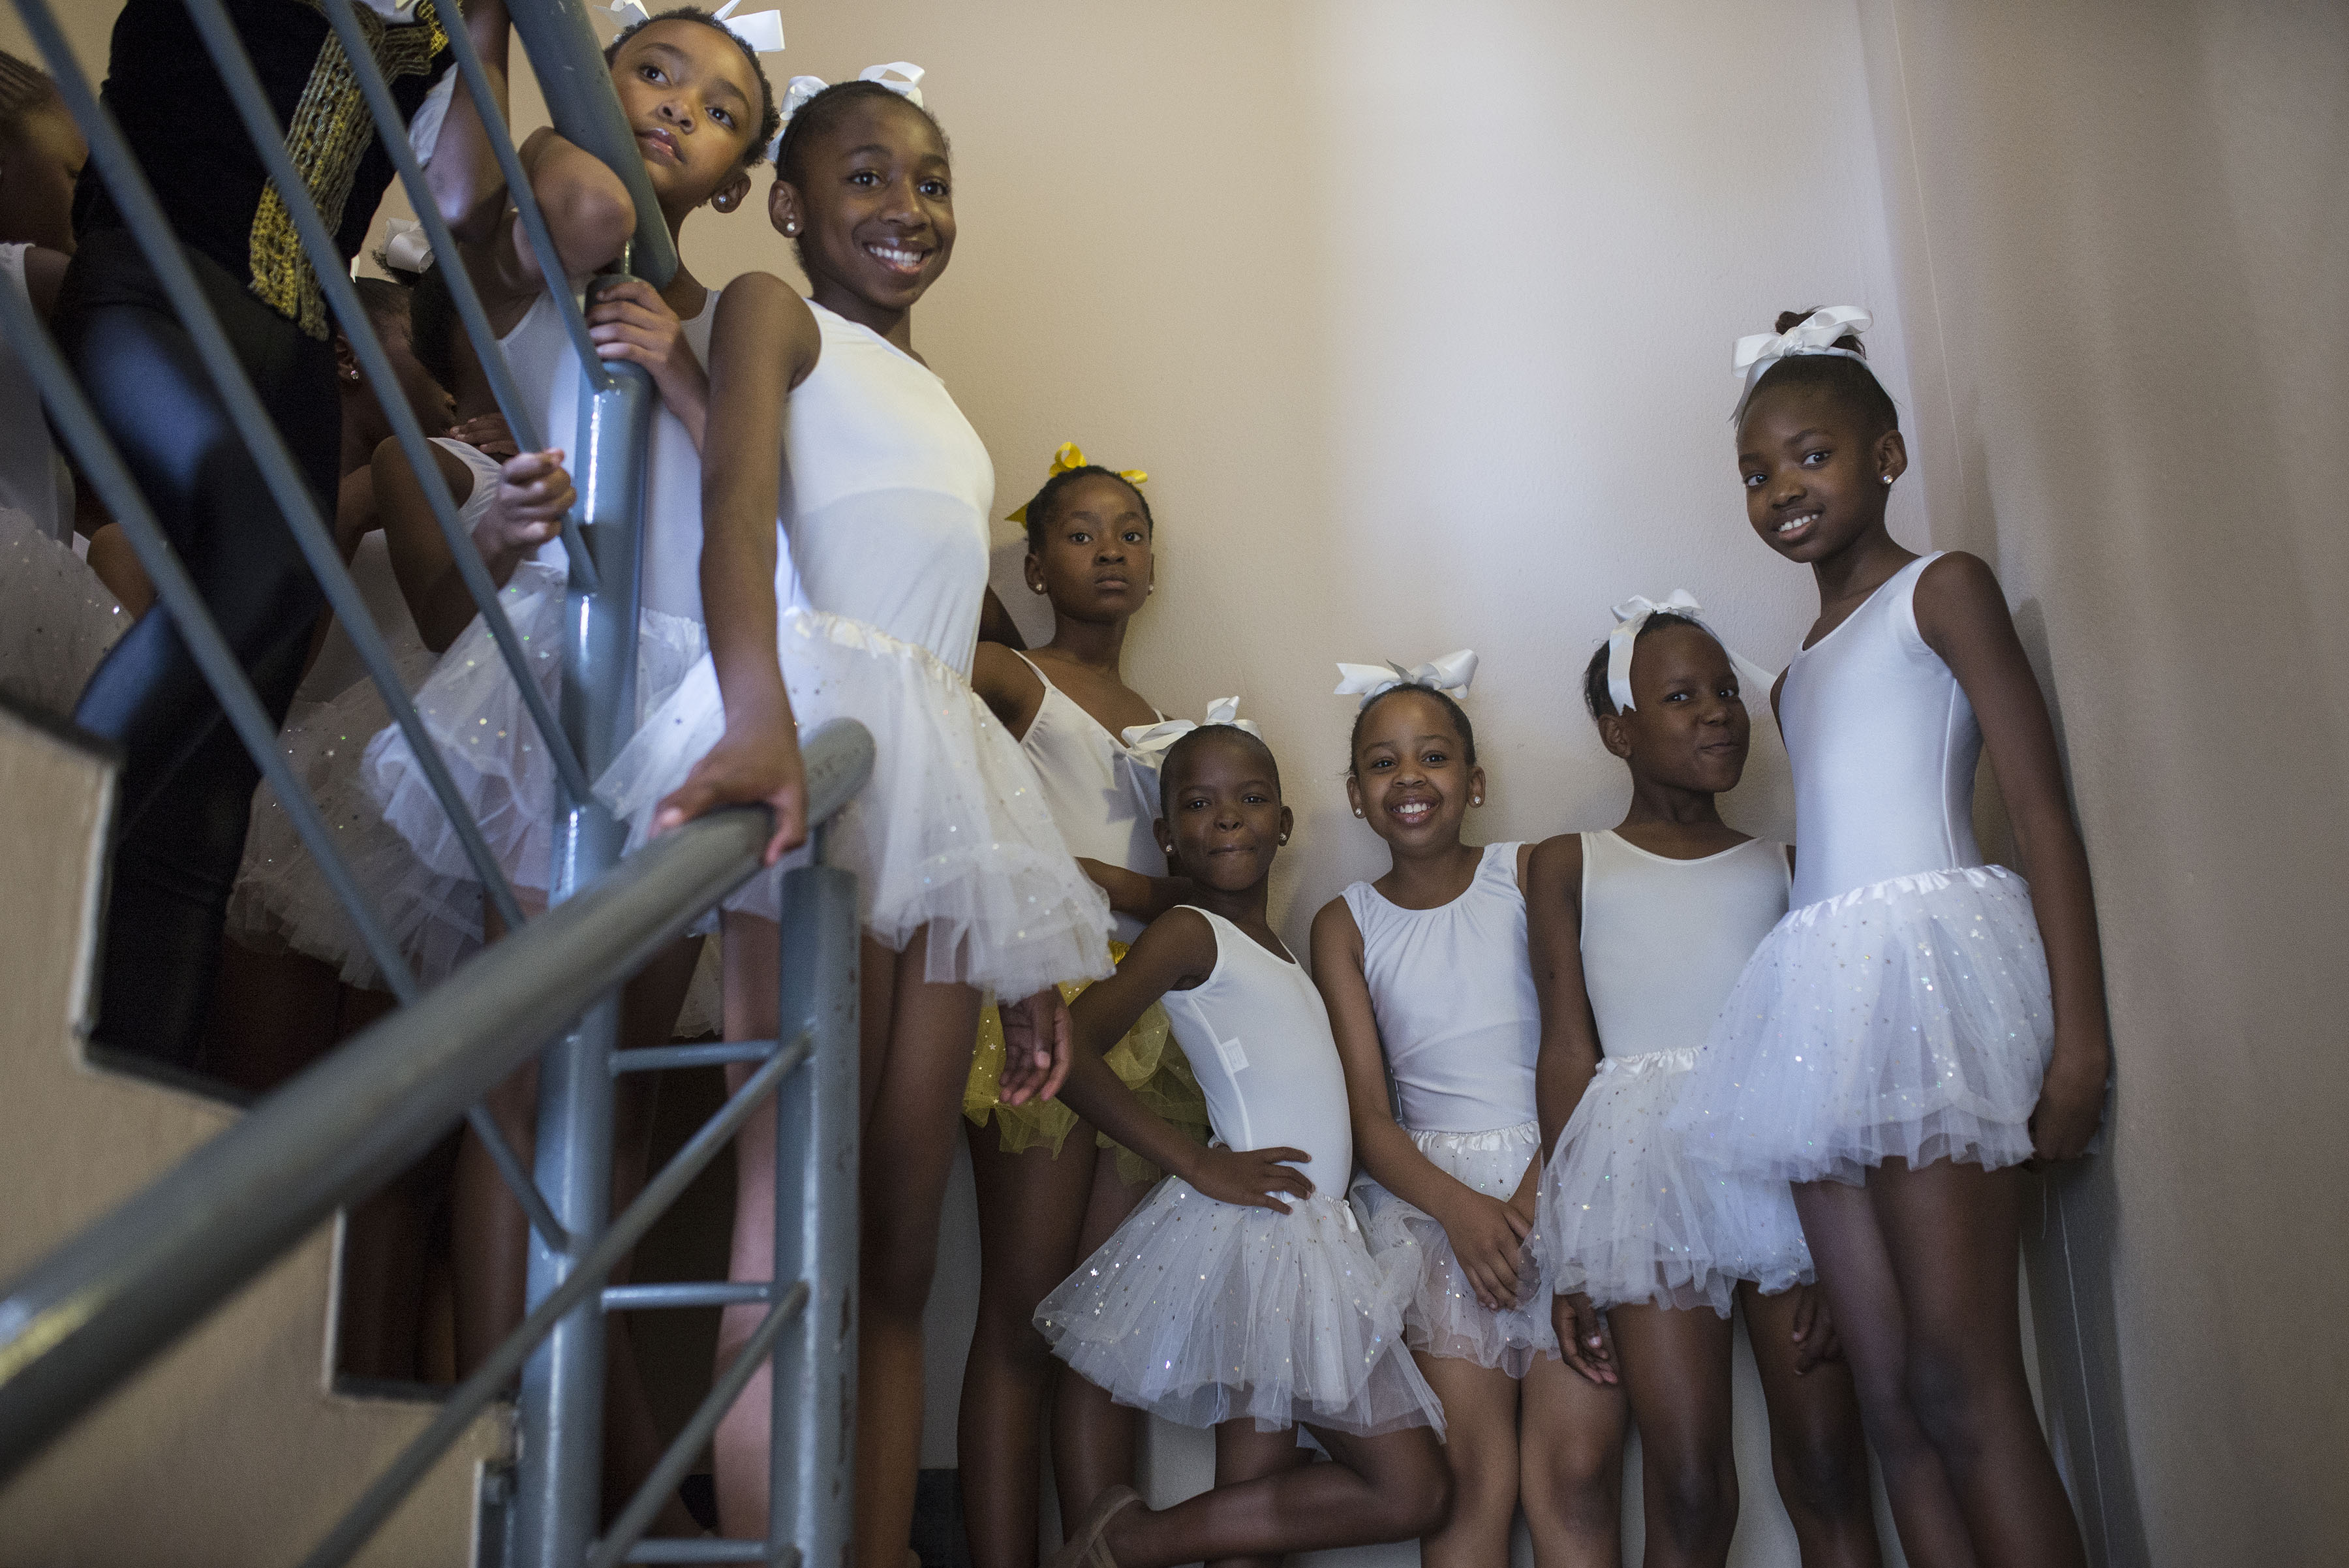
(1068, 459)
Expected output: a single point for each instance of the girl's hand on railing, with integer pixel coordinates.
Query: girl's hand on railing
(1036, 1048)
(487, 432)
(631, 321)
(534, 492)
(755, 764)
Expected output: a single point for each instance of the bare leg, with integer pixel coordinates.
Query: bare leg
(1389, 1488)
(1950, 1231)
(1094, 1438)
(1480, 1446)
(1817, 1451)
(916, 1040)
(1245, 1454)
(1855, 1269)
(1031, 1210)
(1676, 1368)
(272, 1015)
(1571, 1447)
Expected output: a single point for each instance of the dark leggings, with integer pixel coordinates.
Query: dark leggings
(187, 783)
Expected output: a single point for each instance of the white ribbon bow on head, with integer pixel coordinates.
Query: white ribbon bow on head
(1633, 613)
(1150, 743)
(628, 13)
(762, 30)
(1815, 334)
(1453, 672)
(405, 248)
(802, 88)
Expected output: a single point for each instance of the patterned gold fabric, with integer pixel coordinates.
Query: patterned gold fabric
(330, 134)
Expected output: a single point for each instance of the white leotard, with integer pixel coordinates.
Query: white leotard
(1453, 993)
(1258, 1038)
(1097, 797)
(1884, 745)
(33, 476)
(1664, 940)
(886, 490)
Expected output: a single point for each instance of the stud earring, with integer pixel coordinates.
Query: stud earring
(790, 229)
(1888, 479)
(1284, 838)
(1476, 800)
(1358, 811)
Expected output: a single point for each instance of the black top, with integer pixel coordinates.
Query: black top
(184, 131)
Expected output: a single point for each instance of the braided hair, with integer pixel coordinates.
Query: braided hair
(1452, 711)
(1042, 507)
(24, 88)
(1593, 674)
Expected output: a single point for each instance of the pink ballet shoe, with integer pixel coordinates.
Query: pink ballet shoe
(1084, 1547)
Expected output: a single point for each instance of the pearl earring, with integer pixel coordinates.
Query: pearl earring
(1358, 811)
(1888, 479)
(1284, 838)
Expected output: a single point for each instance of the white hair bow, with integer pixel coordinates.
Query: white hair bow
(802, 88)
(1453, 672)
(1150, 743)
(405, 248)
(762, 30)
(1633, 613)
(1815, 334)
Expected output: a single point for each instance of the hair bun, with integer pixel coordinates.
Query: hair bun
(1790, 319)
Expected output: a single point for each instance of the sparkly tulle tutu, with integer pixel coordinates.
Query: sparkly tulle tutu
(1442, 1316)
(282, 899)
(473, 710)
(56, 620)
(1203, 1312)
(1910, 1018)
(1627, 1216)
(950, 833)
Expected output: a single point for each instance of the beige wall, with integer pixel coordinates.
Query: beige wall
(2125, 265)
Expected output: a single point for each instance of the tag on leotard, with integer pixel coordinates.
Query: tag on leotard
(1235, 1059)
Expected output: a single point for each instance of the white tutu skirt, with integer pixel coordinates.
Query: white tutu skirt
(951, 833)
(281, 900)
(1443, 1317)
(1627, 1218)
(56, 620)
(1203, 1312)
(473, 710)
(1908, 1019)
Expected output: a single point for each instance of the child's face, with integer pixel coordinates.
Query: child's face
(1687, 727)
(1814, 479)
(693, 101)
(876, 215)
(38, 170)
(1096, 564)
(1412, 780)
(1227, 820)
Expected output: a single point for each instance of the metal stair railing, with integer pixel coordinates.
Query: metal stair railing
(126, 1286)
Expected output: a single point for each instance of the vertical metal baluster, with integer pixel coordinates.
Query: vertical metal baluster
(813, 1392)
(560, 1492)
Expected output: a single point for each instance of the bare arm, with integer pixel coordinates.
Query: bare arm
(1137, 893)
(1962, 616)
(467, 184)
(533, 491)
(1569, 1036)
(1485, 1232)
(1008, 684)
(762, 344)
(1176, 953)
(995, 625)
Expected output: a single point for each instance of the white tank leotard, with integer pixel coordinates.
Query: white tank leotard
(1091, 786)
(34, 479)
(1258, 1038)
(1664, 940)
(1884, 745)
(1454, 999)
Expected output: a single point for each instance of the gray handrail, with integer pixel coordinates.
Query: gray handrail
(577, 86)
(122, 1291)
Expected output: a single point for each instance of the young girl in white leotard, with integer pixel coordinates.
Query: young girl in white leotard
(1425, 975)
(1050, 1188)
(1240, 1294)
(1921, 1022)
(963, 881)
(1638, 934)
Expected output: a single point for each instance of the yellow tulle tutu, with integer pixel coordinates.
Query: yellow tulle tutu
(1147, 1061)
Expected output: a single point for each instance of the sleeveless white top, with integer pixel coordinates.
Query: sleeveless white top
(34, 479)
(1884, 745)
(1258, 1038)
(1453, 990)
(886, 490)
(1663, 941)
(1093, 790)
(545, 367)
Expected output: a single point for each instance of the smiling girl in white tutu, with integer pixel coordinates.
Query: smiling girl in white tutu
(1921, 1022)
(1240, 1294)
(1640, 932)
(1431, 1000)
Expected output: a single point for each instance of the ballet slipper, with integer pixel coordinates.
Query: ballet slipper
(1084, 1548)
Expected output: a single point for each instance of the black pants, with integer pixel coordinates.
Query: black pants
(187, 784)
